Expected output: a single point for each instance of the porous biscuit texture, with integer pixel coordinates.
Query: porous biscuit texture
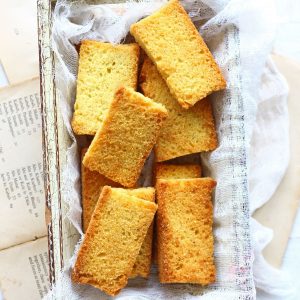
(170, 171)
(113, 240)
(91, 185)
(185, 131)
(129, 132)
(173, 43)
(142, 264)
(103, 68)
(184, 230)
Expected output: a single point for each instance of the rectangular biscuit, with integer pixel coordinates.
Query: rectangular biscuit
(103, 68)
(173, 43)
(112, 241)
(184, 230)
(124, 141)
(142, 264)
(185, 131)
(169, 171)
(91, 185)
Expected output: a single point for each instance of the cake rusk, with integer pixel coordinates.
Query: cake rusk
(184, 230)
(170, 171)
(113, 240)
(91, 185)
(185, 131)
(124, 141)
(103, 68)
(173, 43)
(142, 264)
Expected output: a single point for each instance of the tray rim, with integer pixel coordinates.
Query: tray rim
(50, 144)
(51, 147)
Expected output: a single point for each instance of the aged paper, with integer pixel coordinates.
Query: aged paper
(24, 271)
(22, 200)
(19, 42)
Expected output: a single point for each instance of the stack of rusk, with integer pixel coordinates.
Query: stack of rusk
(172, 116)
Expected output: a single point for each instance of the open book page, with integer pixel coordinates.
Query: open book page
(22, 200)
(24, 271)
(19, 42)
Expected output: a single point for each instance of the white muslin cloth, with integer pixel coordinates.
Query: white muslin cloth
(269, 158)
(239, 34)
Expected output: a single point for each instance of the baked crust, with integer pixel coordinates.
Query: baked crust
(142, 264)
(184, 230)
(103, 68)
(91, 185)
(112, 241)
(173, 43)
(169, 171)
(129, 132)
(185, 131)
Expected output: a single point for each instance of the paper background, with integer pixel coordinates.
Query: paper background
(22, 198)
(19, 43)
